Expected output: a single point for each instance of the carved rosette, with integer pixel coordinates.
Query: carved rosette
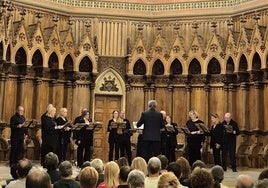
(213, 47)
(195, 48)
(38, 39)
(86, 46)
(140, 49)
(176, 49)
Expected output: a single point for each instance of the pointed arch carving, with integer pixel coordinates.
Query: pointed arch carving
(53, 61)
(243, 64)
(256, 62)
(158, 68)
(214, 66)
(8, 53)
(139, 68)
(230, 66)
(85, 65)
(37, 59)
(194, 67)
(20, 57)
(176, 67)
(68, 64)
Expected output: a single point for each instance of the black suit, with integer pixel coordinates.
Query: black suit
(50, 142)
(151, 136)
(124, 142)
(17, 138)
(216, 134)
(85, 147)
(229, 144)
(113, 141)
(171, 142)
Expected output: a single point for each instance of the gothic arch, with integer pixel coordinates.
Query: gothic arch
(176, 67)
(230, 66)
(256, 62)
(85, 65)
(68, 64)
(8, 53)
(243, 64)
(37, 59)
(20, 57)
(158, 68)
(214, 66)
(194, 67)
(139, 68)
(53, 61)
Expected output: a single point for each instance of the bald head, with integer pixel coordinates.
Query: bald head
(38, 178)
(244, 181)
(228, 117)
(20, 110)
(154, 165)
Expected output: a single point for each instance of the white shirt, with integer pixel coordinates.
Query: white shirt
(20, 183)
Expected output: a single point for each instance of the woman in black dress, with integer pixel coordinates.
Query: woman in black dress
(216, 133)
(64, 134)
(195, 139)
(171, 129)
(113, 137)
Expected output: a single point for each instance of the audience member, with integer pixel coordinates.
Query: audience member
(185, 171)
(198, 163)
(122, 161)
(124, 171)
(139, 163)
(154, 166)
(66, 172)
(38, 178)
(85, 164)
(98, 165)
(218, 174)
(243, 181)
(164, 163)
(136, 179)
(169, 180)
(263, 174)
(261, 183)
(88, 177)
(24, 166)
(201, 178)
(51, 163)
(175, 168)
(111, 174)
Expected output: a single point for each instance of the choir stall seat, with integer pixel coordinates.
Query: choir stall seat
(4, 149)
(243, 148)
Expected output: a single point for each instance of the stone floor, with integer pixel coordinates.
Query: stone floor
(229, 179)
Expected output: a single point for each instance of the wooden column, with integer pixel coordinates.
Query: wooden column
(52, 93)
(21, 90)
(207, 98)
(36, 107)
(231, 100)
(92, 98)
(188, 98)
(2, 95)
(226, 98)
(170, 97)
(244, 106)
(259, 108)
(149, 94)
(68, 97)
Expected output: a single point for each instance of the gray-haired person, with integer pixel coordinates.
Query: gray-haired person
(136, 179)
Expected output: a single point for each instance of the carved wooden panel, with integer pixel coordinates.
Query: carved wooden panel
(139, 68)
(68, 64)
(230, 66)
(194, 67)
(243, 64)
(158, 68)
(20, 57)
(214, 66)
(256, 63)
(176, 67)
(85, 65)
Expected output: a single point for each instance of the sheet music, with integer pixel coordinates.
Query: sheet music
(135, 125)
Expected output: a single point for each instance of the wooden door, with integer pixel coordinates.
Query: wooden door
(104, 106)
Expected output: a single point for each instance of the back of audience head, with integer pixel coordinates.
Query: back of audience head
(175, 168)
(136, 179)
(65, 169)
(263, 174)
(261, 183)
(38, 178)
(111, 174)
(168, 180)
(85, 164)
(139, 163)
(98, 165)
(218, 175)
(122, 161)
(244, 181)
(154, 166)
(88, 177)
(185, 167)
(164, 161)
(24, 166)
(123, 174)
(51, 161)
(201, 178)
(198, 163)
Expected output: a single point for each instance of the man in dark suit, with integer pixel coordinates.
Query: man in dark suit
(18, 131)
(153, 122)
